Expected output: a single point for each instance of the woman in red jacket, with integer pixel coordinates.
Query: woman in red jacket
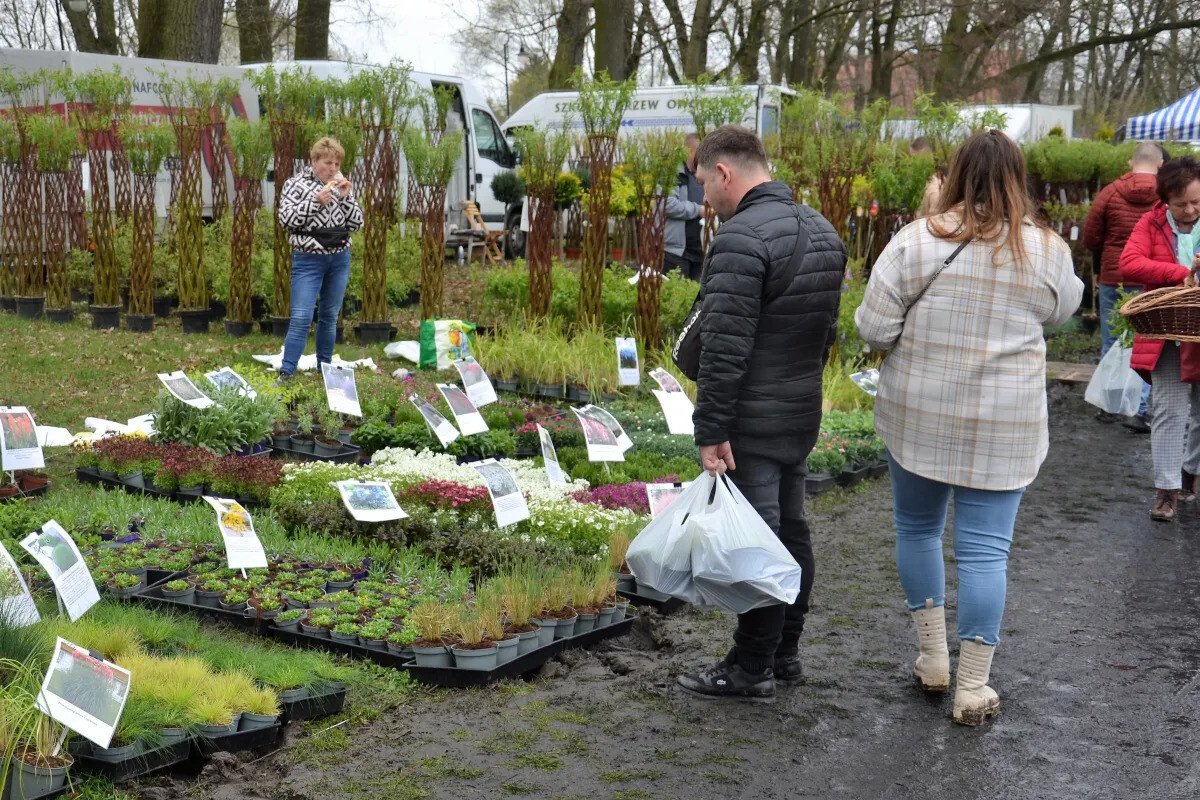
(1162, 251)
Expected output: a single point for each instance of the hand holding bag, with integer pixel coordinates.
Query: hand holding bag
(1114, 386)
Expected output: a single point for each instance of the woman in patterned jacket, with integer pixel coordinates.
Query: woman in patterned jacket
(318, 208)
(960, 299)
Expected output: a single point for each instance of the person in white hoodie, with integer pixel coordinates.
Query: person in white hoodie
(959, 300)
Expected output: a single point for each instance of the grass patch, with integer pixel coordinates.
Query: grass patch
(629, 775)
(546, 762)
(329, 739)
(441, 768)
(509, 742)
(632, 794)
(460, 734)
(516, 789)
(875, 664)
(714, 776)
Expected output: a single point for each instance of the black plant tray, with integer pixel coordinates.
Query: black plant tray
(850, 477)
(139, 765)
(313, 707)
(815, 484)
(153, 594)
(348, 454)
(298, 638)
(878, 469)
(59, 792)
(525, 665)
(663, 606)
(260, 738)
(93, 477)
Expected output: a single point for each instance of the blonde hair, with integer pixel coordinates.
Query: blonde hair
(987, 189)
(325, 146)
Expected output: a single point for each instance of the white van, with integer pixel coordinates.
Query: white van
(146, 97)
(485, 150)
(652, 108)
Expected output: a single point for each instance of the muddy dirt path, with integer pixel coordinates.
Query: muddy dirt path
(1098, 669)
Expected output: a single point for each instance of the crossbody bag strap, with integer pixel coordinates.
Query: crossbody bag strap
(929, 283)
(781, 282)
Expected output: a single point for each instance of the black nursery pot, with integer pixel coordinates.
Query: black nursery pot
(139, 323)
(60, 315)
(162, 307)
(194, 320)
(8, 303)
(374, 332)
(238, 329)
(105, 317)
(279, 326)
(30, 307)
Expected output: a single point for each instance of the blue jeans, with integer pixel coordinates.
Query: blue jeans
(1108, 299)
(313, 275)
(983, 531)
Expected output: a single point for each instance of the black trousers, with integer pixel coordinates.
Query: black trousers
(776, 490)
(687, 267)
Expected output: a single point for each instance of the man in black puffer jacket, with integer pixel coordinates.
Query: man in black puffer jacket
(759, 389)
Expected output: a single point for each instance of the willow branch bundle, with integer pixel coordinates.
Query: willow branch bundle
(539, 248)
(189, 233)
(29, 220)
(651, 230)
(219, 159)
(75, 204)
(122, 177)
(433, 252)
(141, 292)
(601, 150)
(283, 142)
(58, 290)
(247, 199)
(106, 289)
(379, 200)
(9, 233)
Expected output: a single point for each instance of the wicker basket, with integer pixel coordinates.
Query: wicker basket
(1169, 313)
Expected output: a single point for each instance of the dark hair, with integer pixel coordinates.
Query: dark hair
(988, 186)
(731, 143)
(1176, 175)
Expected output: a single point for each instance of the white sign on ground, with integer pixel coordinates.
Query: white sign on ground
(84, 692)
(465, 413)
(184, 390)
(55, 550)
(226, 378)
(476, 382)
(341, 390)
(442, 428)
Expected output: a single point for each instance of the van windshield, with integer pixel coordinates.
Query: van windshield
(488, 139)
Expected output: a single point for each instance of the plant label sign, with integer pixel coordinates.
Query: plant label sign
(665, 380)
(476, 382)
(678, 409)
(507, 498)
(441, 427)
(55, 550)
(465, 413)
(226, 378)
(662, 495)
(19, 447)
(609, 421)
(602, 444)
(84, 692)
(184, 390)
(629, 371)
(17, 608)
(341, 390)
(370, 501)
(242, 547)
(553, 471)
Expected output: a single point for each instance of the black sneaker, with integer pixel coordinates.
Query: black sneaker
(724, 679)
(1137, 423)
(1105, 417)
(787, 666)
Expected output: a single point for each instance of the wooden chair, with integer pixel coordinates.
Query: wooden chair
(481, 236)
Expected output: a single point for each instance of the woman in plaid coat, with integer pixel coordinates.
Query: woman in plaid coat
(960, 299)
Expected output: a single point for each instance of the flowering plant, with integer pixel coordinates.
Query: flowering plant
(241, 476)
(828, 456)
(631, 496)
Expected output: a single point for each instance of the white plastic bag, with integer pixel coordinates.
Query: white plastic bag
(660, 557)
(712, 548)
(1115, 387)
(738, 563)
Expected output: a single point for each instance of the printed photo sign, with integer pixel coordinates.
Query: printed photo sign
(629, 372)
(84, 692)
(184, 390)
(678, 410)
(507, 499)
(341, 390)
(662, 495)
(602, 444)
(17, 608)
(243, 550)
(465, 413)
(442, 428)
(226, 378)
(19, 445)
(55, 550)
(370, 501)
(553, 471)
(476, 382)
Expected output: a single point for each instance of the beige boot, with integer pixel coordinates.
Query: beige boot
(974, 700)
(932, 667)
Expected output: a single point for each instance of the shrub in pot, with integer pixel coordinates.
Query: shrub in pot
(124, 584)
(180, 590)
(302, 440)
(400, 641)
(345, 631)
(432, 621)
(318, 623)
(261, 710)
(234, 600)
(327, 444)
(556, 613)
(209, 592)
(289, 620)
(374, 634)
(267, 606)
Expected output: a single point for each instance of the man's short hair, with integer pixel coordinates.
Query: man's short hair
(732, 143)
(1148, 153)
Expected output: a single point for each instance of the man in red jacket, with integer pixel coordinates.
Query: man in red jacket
(1115, 211)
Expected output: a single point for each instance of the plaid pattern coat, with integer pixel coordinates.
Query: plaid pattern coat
(962, 394)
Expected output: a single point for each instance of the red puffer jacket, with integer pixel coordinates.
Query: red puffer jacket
(1114, 212)
(1149, 259)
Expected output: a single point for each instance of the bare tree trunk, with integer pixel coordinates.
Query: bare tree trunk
(312, 29)
(572, 26)
(101, 40)
(751, 47)
(614, 31)
(254, 31)
(181, 30)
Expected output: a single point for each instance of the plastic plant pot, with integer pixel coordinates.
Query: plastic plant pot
(507, 650)
(432, 656)
(566, 628)
(483, 659)
(547, 629)
(585, 623)
(527, 641)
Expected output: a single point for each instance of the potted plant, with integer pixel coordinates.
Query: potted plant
(432, 621)
(180, 590)
(374, 634)
(491, 610)
(326, 444)
(234, 600)
(289, 620)
(474, 650)
(209, 592)
(261, 710)
(266, 606)
(194, 473)
(317, 623)
(824, 463)
(604, 596)
(581, 600)
(520, 595)
(124, 585)
(35, 771)
(618, 546)
(302, 439)
(557, 612)
(345, 631)
(338, 581)
(400, 641)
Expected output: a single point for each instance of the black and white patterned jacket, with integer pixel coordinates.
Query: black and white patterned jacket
(299, 209)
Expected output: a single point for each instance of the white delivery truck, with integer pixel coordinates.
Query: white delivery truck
(485, 150)
(652, 108)
(1023, 122)
(146, 97)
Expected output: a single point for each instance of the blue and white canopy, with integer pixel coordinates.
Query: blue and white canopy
(1180, 120)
